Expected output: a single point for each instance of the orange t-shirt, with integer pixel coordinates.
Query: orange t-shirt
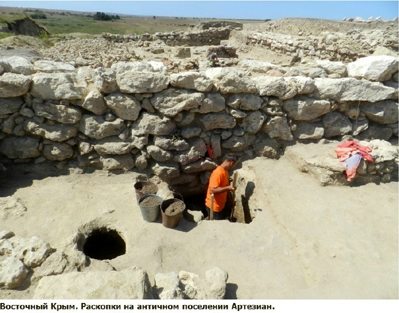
(219, 178)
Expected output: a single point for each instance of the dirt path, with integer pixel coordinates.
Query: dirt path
(306, 241)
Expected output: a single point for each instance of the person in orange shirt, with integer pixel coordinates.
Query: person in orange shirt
(218, 188)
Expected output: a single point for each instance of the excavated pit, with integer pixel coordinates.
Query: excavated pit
(237, 208)
(104, 244)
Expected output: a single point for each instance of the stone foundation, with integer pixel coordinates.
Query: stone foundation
(137, 115)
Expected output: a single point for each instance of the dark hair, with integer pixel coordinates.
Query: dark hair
(230, 157)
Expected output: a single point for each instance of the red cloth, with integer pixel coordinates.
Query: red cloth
(351, 147)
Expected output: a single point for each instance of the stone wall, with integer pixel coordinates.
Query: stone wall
(211, 36)
(331, 46)
(136, 115)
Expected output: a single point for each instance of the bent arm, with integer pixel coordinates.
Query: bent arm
(217, 190)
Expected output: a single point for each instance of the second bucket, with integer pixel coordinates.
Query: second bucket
(172, 211)
(149, 207)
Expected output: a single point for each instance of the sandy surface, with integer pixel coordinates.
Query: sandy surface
(306, 241)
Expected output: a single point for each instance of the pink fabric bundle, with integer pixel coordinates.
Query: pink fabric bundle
(348, 151)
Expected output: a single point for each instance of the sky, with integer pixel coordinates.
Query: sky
(334, 10)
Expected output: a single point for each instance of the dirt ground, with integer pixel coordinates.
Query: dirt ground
(306, 241)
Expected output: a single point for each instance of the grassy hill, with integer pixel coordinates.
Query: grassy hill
(63, 22)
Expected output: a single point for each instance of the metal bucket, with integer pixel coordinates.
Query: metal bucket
(143, 188)
(172, 211)
(149, 207)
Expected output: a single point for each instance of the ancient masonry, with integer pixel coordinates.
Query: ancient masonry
(137, 115)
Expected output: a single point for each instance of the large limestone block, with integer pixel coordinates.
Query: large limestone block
(57, 151)
(151, 124)
(14, 85)
(307, 131)
(47, 66)
(139, 66)
(172, 101)
(96, 127)
(191, 80)
(20, 147)
(105, 80)
(141, 82)
(196, 151)
(277, 127)
(245, 102)
(94, 102)
(374, 67)
(253, 122)
(139, 142)
(124, 106)
(384, 112)
(57, 112)
(191, 285)
(10, 105)
(55, 264)
(331, 67)
(284, 87)
(112, 145)
(12, 273)
(117, 162)
(238, 143)
(159, 154)
(382, 150)
(215, 286)
(171, 143)
(130, 283)
(17, 65)
(167, 286)
(336, 124)
(190, 132)
(58, 132)
(214, 102)
(257, 66)
(56, 86)
(199, 166)
(218, 120)
(376, 132)
(351, 89)
(235, 82)
(270, 86)
(166, 171)
(31, 251)
(306, 109)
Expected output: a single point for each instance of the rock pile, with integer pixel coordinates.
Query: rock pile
(19, 257)
(137, 115)
(133, 283)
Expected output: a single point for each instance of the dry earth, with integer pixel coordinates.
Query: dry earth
(306, 241)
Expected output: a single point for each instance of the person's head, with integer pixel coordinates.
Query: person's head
(229, 161)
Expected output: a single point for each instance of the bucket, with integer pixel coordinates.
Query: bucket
(149, 207)
(172, 211)
(143, 188)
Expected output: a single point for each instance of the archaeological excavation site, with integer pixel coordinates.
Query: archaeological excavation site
(107, 144)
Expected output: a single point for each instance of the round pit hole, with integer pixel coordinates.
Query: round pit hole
(104, 244)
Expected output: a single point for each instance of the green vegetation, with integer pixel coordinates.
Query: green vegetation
(64, 22)
(38, 16)
(101, 16)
